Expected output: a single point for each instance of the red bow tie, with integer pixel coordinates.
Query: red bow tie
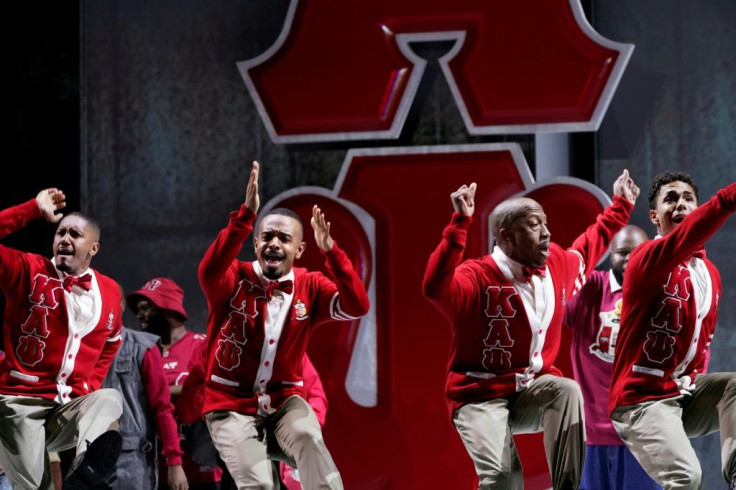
(284, 286)
(530, 271)
(84, 282)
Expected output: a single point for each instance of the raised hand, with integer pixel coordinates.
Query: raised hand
(252, 200)
(321, 229)
(624, 186)
(463, 199)
(49, 202)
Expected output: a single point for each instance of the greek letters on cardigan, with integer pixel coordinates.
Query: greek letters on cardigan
(244, 299)
(498, 308)
(45, 295)
(232, 334)
(660, 343)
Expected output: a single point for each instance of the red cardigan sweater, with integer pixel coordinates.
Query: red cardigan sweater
(663, 339)
(495, 351)
(43, 357)
(235, 323)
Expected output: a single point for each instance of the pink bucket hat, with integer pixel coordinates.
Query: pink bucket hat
(164, 293)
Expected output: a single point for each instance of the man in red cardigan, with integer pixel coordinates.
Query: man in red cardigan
(261, 316)
(506, 311)
(61, 330)
(660, 393)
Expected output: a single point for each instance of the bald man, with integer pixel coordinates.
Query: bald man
(594, 315)
(506, 313)
(63, 321)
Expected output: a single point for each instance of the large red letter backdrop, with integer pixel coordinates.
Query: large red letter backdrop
(346, 71)
(388, 425)
(515, 67)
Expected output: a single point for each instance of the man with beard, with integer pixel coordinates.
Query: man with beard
(159, 305)
(261, 316)
(138, 374)
(594, 315)
(506, 313)
(63, 321)
(660, 395)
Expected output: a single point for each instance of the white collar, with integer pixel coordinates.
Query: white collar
(264, 280)
(510, 268)
(615, 286)
(63, 274)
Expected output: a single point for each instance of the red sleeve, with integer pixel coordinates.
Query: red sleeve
(16, 217)
(218, 269)
(109, 350)
(584, 305)
(593, 243)
(651, 262)
(443, 284)
(351, 301)
(316, 396)
(159, 403)
(12, 262)
(191, 400)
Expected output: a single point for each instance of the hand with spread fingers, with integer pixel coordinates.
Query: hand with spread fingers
(252, 200)
(49, 202)
(321, 229)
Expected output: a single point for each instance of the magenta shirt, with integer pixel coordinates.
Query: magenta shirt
(594, 315)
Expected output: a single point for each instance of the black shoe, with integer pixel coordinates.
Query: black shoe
(96, 464)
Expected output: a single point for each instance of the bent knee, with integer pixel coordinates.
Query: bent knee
(570, 389)
(111, 400)
(689, 477)
(731, 385)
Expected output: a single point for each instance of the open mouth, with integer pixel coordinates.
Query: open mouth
(544, 249)
(65, 252)
(678, 218)
(273, 259)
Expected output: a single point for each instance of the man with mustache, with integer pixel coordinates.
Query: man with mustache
(594, 316)
(159, 306)
(506, 313)
(61, 328)
(660, 395)
(261, 316)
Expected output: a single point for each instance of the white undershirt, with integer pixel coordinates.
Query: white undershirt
(538, 298)
(276, 315)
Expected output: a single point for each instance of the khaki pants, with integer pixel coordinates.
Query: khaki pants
(292, 434)
(658, 432)
(29, 426)
(550, 404)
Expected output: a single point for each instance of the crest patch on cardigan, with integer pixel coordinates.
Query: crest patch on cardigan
(300, 309)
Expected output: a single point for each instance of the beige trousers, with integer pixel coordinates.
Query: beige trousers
(658, 432)
(246, 444)
(29, 426)
(551, 404)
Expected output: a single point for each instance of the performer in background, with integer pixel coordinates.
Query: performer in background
(159, 306)
(594, 315)
(148, 415)
(506, 313)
